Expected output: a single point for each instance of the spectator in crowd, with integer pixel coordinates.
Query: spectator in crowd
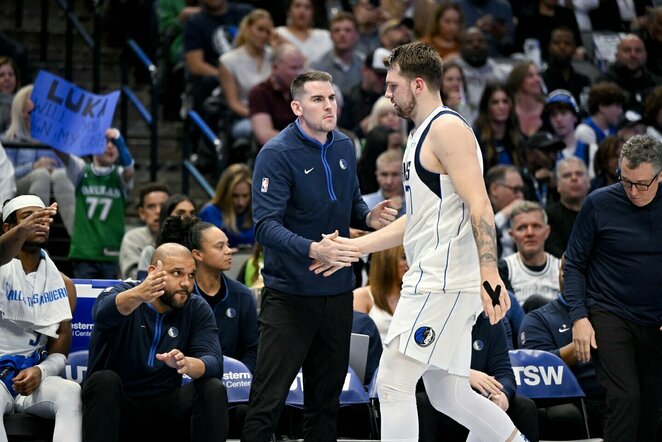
(380, 297)
(363, 96)
(525, 86)
(243, 67)
(496, 128)
(538, 19)
(611, 285)
(630, 125)
(531, 274)
(573, 185)
(605, 108)
(269, 101)
(559, 73)
(383, 115)
(343, 61)
(445, 29)
(299, 30)
(207, 35)
(491, 376)
(454, 89)
(495, 19)
(540, 153)
(479, 69)
(304, 313)
(379, 140)
(176, 205)
(250, 273)
(10, 82)
(147, 335)
(606, 162)
(389, 178)
(394, 33)
(152, 196)
(653, 113)
(651, 35)
(546, 328)
(561, 112)
(505, 189)
(7, 177)
(101, 192)
(232, 302)
(230, 209)
(37, 170)
(36, 336)
(630, 73)
(369, 15)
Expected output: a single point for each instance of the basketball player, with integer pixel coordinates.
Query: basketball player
(450, 243)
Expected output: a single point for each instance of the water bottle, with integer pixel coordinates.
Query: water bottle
(532, 51)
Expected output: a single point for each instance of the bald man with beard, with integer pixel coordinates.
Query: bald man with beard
(146, 336)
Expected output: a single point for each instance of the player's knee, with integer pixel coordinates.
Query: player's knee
(68, 394)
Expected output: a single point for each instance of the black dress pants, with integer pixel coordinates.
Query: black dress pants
(196, 411)
(628, 364)
(308, 332)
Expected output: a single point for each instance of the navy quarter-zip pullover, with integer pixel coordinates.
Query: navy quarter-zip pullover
(128, 344)
(301, 190)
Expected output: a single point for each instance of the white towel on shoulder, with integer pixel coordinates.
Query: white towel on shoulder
(37, 301)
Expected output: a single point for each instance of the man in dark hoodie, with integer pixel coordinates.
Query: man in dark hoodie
(630, 73)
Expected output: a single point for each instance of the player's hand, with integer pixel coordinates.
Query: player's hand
(175, 359)
(501, 400)
(485, 384)
(583, 336)
(27, 380)
(496, 302)
(39, 221)
(329, 254)
(112, 133)
(154, 285)
(381, 215)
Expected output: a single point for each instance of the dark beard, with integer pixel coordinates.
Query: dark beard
(406, 112)
(168, 298)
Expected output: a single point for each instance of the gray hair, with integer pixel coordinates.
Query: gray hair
(641, 149)
(528, 207)
(564, 162)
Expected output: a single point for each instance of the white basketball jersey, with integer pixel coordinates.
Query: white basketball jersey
(438, 240)
(526, 282)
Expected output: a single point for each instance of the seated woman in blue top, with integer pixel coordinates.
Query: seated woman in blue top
(230, 209)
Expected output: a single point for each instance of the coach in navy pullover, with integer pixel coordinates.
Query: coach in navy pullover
(613, 280)
(146, 336)
(306, 189)
(305, 186)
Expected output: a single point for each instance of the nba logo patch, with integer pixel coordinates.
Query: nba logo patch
(424, 336)
(265, 185)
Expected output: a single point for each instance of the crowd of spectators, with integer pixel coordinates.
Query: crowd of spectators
(549, 116)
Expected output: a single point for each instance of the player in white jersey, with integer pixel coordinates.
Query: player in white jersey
(35, 324)
(450, 243)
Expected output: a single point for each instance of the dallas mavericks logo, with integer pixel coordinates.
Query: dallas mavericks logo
(343, 164)
(424, 336)
(173, 332)
(230, 313)
(478, 345)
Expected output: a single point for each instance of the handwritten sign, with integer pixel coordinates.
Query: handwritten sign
(69, 118)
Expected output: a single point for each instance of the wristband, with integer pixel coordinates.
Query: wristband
(125, 156)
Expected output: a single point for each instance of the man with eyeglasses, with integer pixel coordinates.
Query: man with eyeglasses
(613, 281)
(505, 188)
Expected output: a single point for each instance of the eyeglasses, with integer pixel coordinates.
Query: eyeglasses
(514, 189)
(627, 184)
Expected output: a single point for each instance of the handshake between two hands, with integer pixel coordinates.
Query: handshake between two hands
(334, 252)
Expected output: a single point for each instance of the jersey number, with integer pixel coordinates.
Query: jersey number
(93, 202)
(410, 203)
(35, 341)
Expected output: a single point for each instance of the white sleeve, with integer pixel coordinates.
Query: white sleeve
(585, 134)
